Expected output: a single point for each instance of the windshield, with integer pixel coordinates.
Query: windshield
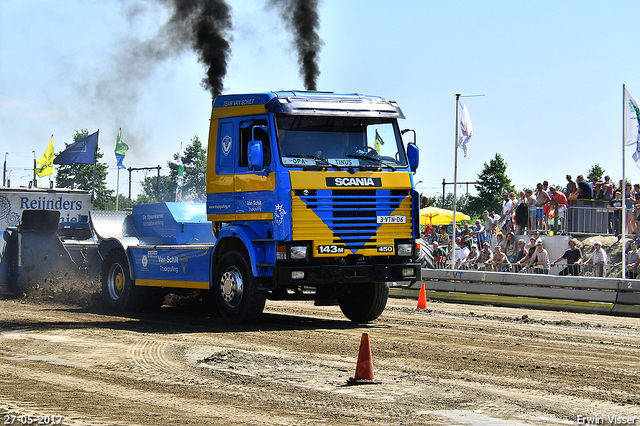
(339, 141)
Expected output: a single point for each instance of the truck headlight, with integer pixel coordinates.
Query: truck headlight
(297, 275)
(405, 249)
(298, 252)
(407, 272)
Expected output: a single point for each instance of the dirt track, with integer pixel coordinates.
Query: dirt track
(452, 364)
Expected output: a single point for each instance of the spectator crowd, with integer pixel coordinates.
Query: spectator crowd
(491, 244)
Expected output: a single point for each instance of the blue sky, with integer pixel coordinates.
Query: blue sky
(551, 73)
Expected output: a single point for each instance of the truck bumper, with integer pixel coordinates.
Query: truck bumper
(339, 274)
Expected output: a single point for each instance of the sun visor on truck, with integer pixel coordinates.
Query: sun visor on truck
(348, 106)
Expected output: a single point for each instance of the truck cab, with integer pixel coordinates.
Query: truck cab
(310, 195)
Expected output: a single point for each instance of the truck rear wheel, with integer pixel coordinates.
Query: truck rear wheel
(236, 290)
(364, 302)
(119, 291)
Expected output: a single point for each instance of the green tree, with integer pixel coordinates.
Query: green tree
(595, 171)
(80, 176)
(194, 161)
(427, 201)
(150, 190)
(123, 203)
(195, 168)
(461, 203)
(492, 183)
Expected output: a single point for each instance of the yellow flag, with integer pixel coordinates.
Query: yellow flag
(378, 142)
(46, 161)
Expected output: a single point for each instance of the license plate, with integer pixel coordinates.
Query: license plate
(392, 219)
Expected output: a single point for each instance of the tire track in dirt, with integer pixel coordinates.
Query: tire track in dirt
(201, 408)
(292, 367)
(151, 356)
(617, 362)
(282, 379)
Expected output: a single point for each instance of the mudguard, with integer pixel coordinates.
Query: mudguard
(117, 230)
(261, 251)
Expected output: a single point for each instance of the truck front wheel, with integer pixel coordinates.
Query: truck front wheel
(236, 290)
(364, 302)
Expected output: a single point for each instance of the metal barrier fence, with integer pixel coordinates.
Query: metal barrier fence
(589, 217)
(586, 217)
(590, 220)
(569, 270)
(582, 294)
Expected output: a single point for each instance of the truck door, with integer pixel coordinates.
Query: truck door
(220, 182)
(254, 191)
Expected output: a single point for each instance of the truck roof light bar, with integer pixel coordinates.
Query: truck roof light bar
(355, 106)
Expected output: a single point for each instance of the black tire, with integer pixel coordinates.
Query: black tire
(119, 291)
(236, 290)
(364, 302)
(425, 255)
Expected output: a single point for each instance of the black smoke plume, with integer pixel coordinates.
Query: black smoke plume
(207, 24)
(302, 18)
(200, 26)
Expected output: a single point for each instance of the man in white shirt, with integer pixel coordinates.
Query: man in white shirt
(461, 251)
(507, 207)
(598, 259)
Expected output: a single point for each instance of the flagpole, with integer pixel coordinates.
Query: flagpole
(624, 183)
(51, 160)
(117, 175)
(117, 185)
(95, 155)
(180, 178)
(455, 183)
(34, 169)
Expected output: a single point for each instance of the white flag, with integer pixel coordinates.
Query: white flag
(465, 128)
(632, 112)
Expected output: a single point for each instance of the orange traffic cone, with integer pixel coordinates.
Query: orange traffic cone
(364, 368)
(422, 299)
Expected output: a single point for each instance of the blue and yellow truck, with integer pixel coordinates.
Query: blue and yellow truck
(310, 196)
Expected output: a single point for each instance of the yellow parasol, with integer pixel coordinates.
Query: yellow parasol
(435, 216)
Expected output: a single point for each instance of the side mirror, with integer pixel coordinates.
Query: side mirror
(254, 154)
(413, 155)
(255, 150)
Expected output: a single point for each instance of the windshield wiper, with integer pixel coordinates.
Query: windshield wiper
(314, 157)
(367, 157)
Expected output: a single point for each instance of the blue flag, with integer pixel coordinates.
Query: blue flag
(83, 151)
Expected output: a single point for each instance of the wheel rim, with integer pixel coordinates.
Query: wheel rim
(115, 281)
(231, 287)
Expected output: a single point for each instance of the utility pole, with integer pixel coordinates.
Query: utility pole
(130, 169)
(444, 183)
(4, 170)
